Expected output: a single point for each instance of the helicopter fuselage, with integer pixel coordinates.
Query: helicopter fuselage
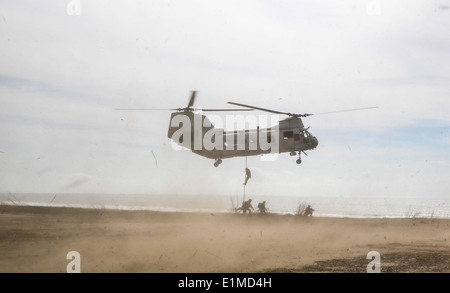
(196, 133)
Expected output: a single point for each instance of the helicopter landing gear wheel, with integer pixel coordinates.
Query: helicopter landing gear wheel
(299, 160)
(217, 162)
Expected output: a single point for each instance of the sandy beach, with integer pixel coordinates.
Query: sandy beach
(38, 239)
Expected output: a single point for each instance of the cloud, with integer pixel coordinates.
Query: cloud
(61, 77)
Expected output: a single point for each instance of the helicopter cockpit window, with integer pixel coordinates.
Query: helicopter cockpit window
(288, 134)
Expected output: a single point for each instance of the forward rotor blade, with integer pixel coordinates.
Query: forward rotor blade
(224, 110)
(271, 111)
(348, 110)
(192, 100)
(258, 108)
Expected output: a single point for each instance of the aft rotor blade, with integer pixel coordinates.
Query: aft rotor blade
(258, 108)
(181, 109)
(348, 110)
(144, 109)
(192, 100)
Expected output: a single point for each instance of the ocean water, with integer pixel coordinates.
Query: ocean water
(356, 207)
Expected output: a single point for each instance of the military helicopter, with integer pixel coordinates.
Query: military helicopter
(191, 129)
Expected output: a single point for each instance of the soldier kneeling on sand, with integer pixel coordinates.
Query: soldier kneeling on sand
(246, 206)
(262, 207)
(309, 211)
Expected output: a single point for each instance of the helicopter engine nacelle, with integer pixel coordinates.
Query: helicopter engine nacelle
(291, 123)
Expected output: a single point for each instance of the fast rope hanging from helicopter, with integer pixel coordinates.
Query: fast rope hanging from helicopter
(248, 175)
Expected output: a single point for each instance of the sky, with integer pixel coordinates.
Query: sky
(65, 66)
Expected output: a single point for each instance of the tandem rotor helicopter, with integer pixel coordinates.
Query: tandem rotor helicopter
(191, 129)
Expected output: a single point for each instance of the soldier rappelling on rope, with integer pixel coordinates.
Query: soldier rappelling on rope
(248, 175)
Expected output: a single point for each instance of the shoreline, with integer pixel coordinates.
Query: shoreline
(37, 239)
(208, 211)
(345, 206)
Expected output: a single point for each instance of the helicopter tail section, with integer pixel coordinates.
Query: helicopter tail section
(185, 128)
